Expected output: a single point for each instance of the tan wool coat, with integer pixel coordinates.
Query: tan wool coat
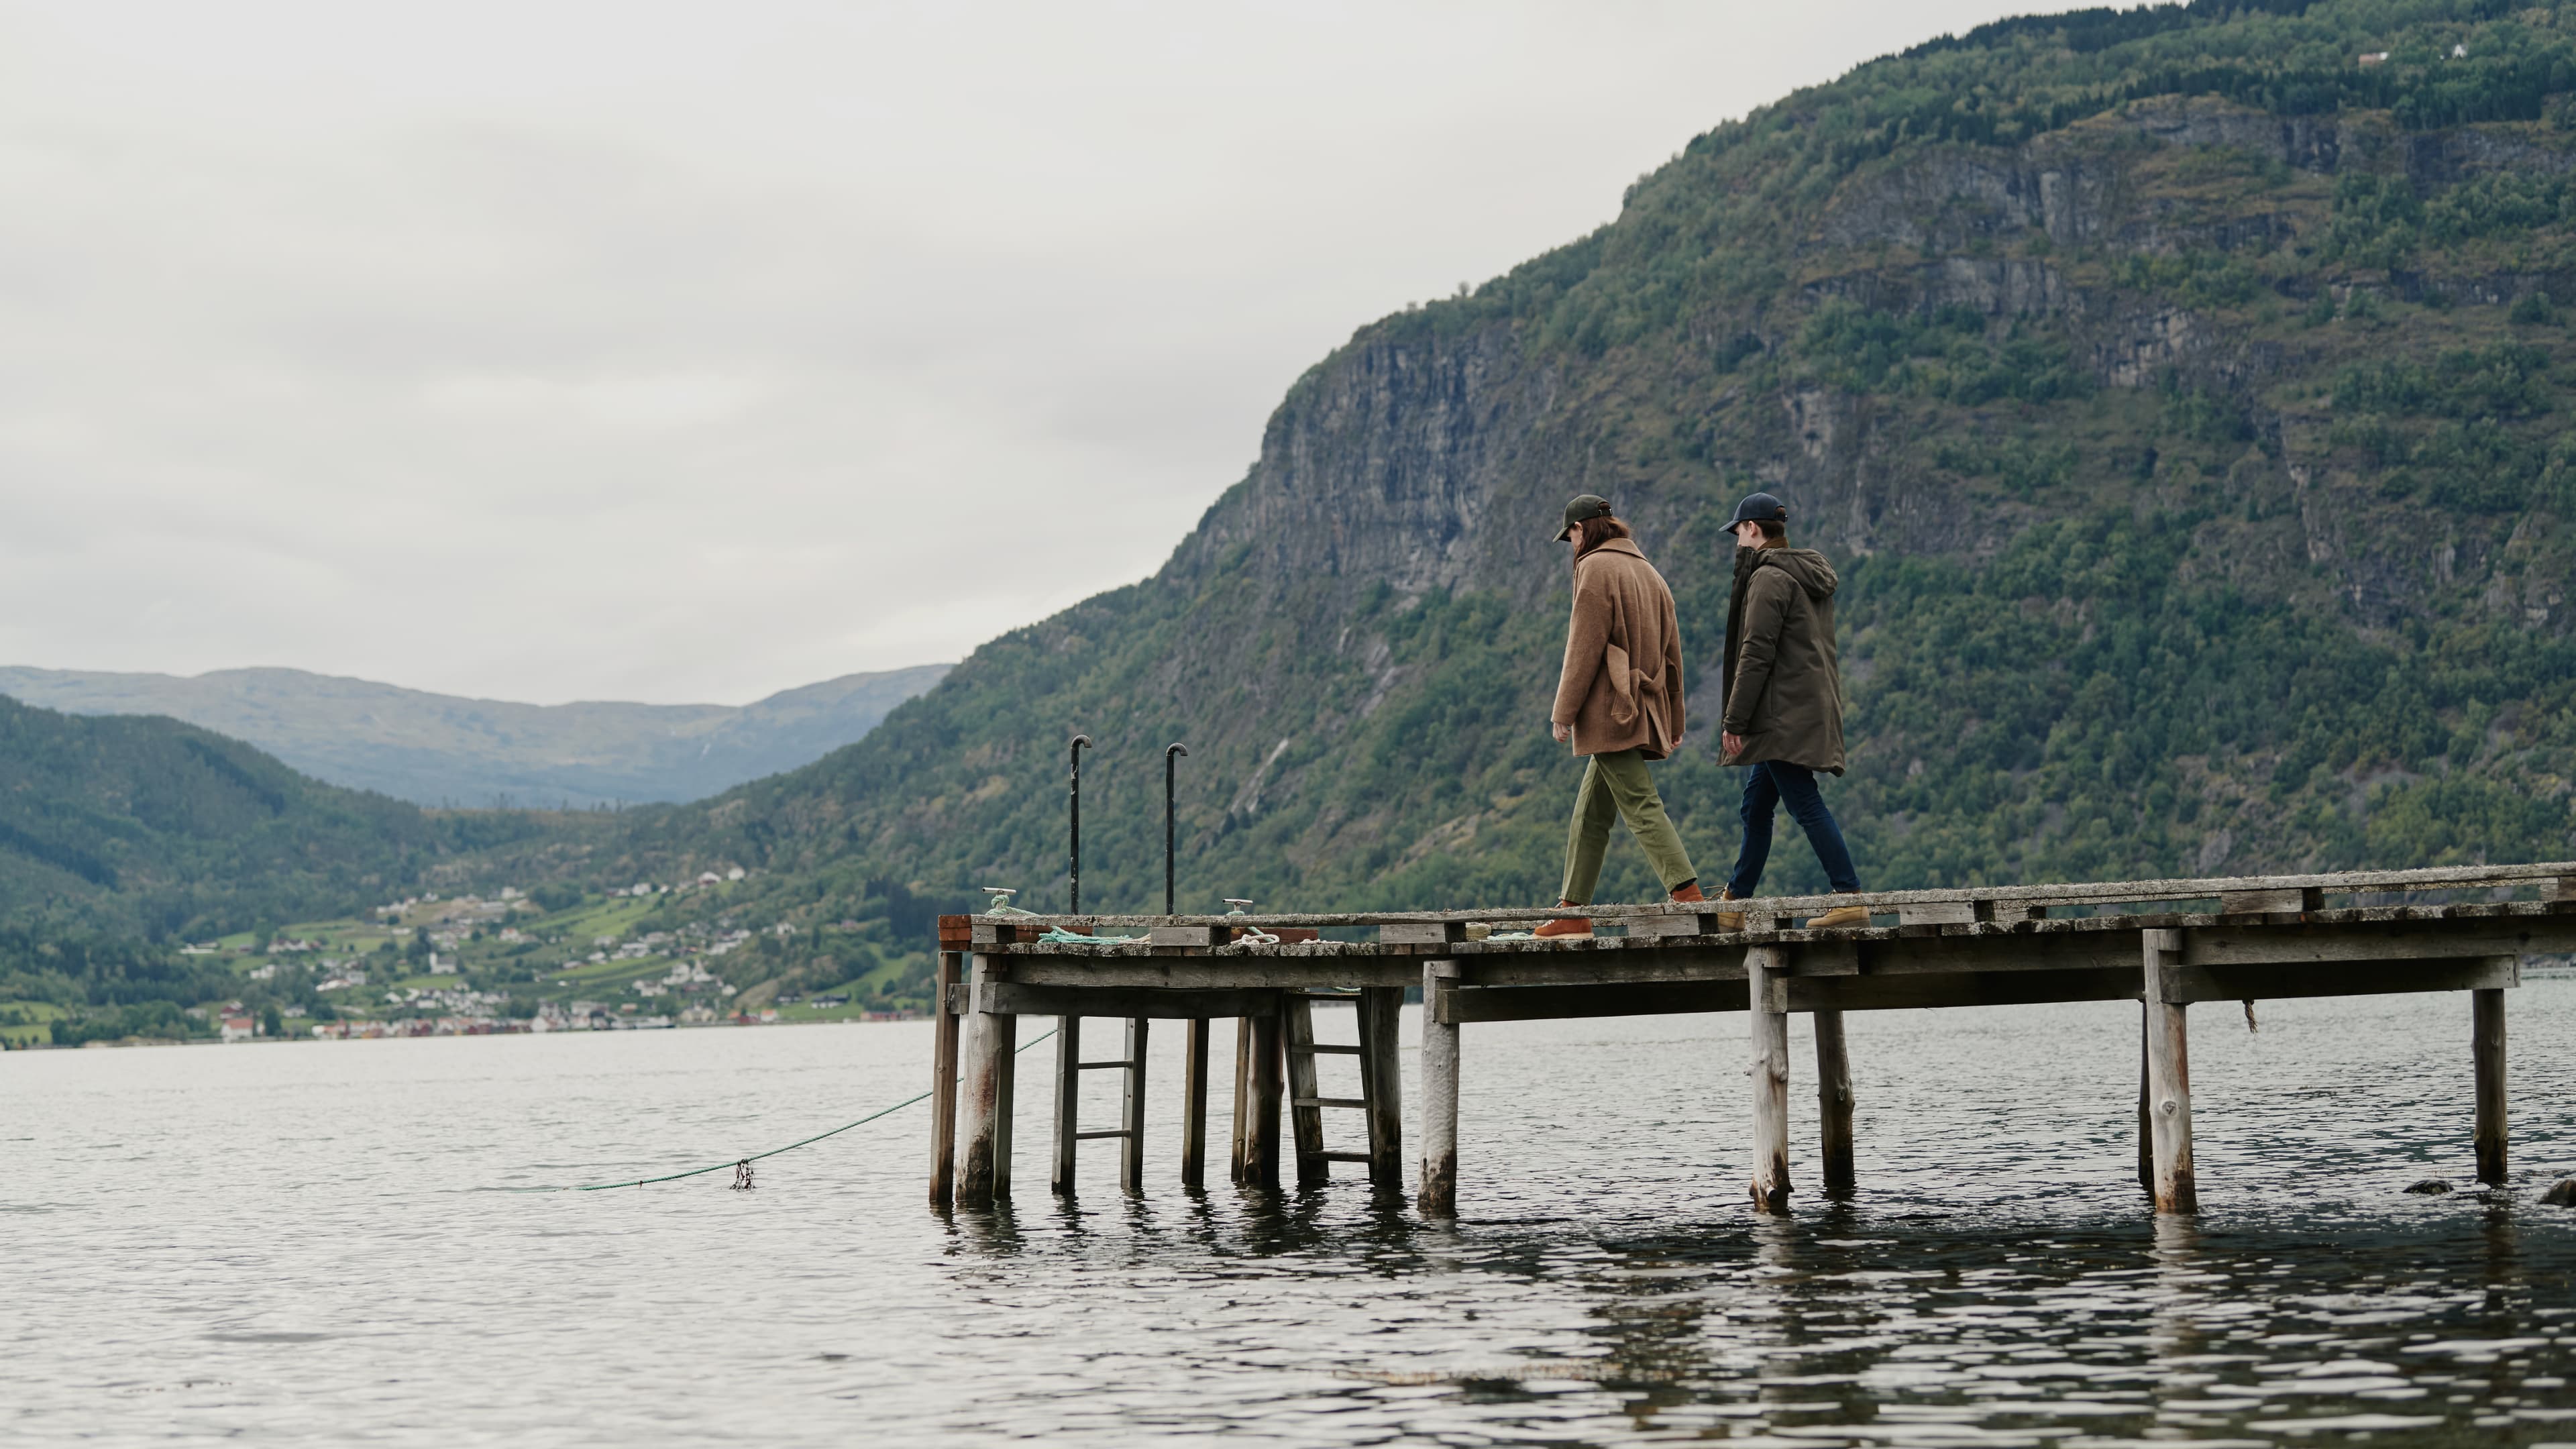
(1622, 684)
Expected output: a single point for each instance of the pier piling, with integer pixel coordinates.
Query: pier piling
(2486, 1014)
(2146, 1121)
(2168, 1076)
(1131, 1114)
(1834, 1106)
(1068, 1099)
(1261, 1114)
(991, 1037)
(943, 1085)
(1768, 992)
(1194, 1103)
(1382, 1083)
(1438, 1191)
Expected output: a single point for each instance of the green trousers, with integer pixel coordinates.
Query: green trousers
(1617, 784)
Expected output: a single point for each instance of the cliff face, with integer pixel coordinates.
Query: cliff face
(2192, 460)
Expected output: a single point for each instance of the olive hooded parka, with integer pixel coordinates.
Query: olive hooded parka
(1621, 688)
(1784, 689)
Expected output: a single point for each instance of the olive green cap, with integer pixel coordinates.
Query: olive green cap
(1585, 505)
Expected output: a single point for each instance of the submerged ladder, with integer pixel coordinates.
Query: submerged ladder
(1069, 1067)
(1378, 1099)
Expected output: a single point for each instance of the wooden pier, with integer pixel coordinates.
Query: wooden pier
(2165, 944)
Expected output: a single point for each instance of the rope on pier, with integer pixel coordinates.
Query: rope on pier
(742, 1165)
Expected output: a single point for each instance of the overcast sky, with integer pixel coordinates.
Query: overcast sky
(686, 352)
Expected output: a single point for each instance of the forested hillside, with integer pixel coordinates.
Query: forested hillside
(127, 828)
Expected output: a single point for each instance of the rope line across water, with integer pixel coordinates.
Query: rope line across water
(773, 1152)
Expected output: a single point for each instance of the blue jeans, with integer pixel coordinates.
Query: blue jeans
(1769, 785)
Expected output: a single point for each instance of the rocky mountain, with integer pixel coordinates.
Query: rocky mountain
(437, 749)
(2181, 390)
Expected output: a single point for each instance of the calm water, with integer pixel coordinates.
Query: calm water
(307, 1243)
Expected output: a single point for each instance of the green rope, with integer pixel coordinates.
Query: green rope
(773, 1152)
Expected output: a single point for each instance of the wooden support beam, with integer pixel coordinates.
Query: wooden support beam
(1261, 1122)
(943, 1085)
(2186, 984)
(1068, 1102)
(984, 1103)
(2234, 945)
(2486, 1013)
(1382, 1083)
(1166, 1005)
(1967, 988)
(1437, 1193)
(1770, 1038)
(2168, 1078)
(1194, 1102)
(1463, 1004)
(1131, 1117)
(1834, 1106)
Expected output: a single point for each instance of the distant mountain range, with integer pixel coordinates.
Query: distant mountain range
(439, 749)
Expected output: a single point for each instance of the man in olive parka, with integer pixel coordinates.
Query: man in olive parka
(1783, 700)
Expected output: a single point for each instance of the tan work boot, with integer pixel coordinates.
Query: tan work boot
(1729, 920)
(1689, 892)
(1840, 916)
(1564, 926)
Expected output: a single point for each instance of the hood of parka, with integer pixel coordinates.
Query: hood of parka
(1806, 566)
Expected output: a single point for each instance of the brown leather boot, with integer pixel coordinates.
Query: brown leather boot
(1689, 892)
(1564, 926)
(1840, 916)
(1729, 920)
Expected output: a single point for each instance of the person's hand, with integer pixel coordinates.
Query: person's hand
(1561, 732)
(1730, 743)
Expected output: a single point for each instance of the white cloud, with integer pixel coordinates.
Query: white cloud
(679, 352)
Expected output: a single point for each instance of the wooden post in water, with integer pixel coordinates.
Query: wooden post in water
(984, 1136)
(1382, 1082)
(1834, 1104)
(1068, 1101)
(1131, 1117)
(1768, 993)
(1194, 1095)
(2486, 1014)
(2146, 1120)
(1438, 1192)
(1261, 1115)
(943, 1086)
(2168, 1078)
(1242, 1100)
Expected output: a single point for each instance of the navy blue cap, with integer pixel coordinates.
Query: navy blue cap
(1759, 508)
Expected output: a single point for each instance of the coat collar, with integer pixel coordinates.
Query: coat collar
(1627, 546)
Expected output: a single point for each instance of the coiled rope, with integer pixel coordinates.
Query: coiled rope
(739, 1162)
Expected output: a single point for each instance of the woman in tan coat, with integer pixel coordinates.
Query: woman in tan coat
(1619, 701)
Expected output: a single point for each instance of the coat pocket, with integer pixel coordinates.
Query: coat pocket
(1623, 686)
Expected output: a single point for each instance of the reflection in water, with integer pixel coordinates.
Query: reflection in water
(285, 1243)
